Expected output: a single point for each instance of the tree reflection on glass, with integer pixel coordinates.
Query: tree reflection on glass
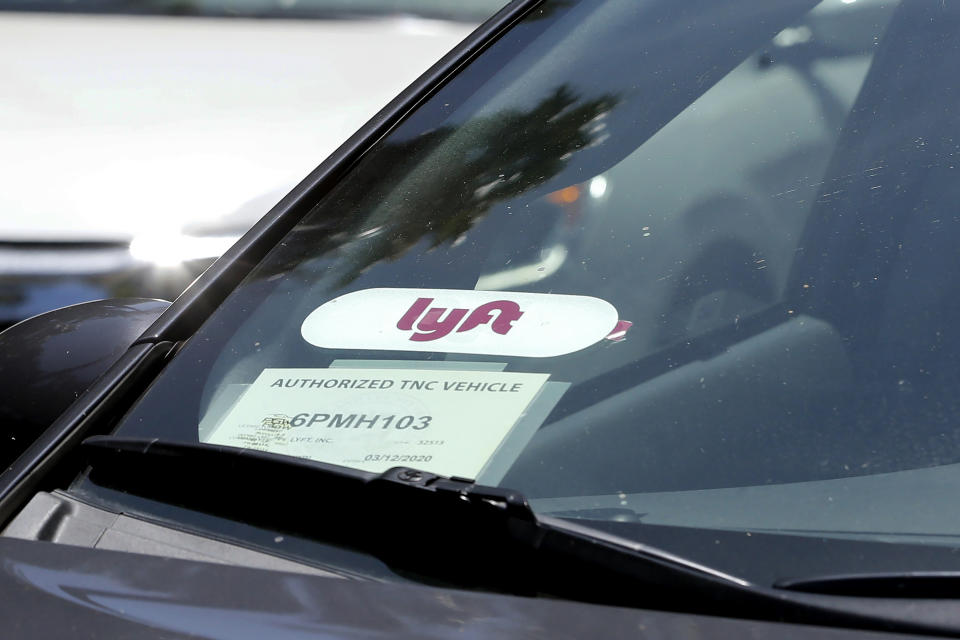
(437, 186)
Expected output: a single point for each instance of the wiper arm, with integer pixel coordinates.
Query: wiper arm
(446, 528)
(908, 584)
(419, 521)
(452, 530)
(389, 515)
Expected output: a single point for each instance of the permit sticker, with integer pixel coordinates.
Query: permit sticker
(446, 422)
(537, 325)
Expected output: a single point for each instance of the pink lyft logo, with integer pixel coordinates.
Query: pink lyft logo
(508, 323)
(434, 324)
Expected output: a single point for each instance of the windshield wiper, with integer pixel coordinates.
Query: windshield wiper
(450, 530)
(907, 584)
(444, 528)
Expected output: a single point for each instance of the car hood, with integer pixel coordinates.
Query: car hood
(115, 126)
(50, 589)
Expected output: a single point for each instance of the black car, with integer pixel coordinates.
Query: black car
(628, 318)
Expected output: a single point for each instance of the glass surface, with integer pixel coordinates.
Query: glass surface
(766, 191)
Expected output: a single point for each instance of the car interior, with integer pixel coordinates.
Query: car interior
(842, 382)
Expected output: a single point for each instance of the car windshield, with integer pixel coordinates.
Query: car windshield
(685, 271)
(448, 9)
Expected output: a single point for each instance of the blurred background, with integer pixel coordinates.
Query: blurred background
(140, 138)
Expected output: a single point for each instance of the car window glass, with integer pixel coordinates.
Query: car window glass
(761, 193)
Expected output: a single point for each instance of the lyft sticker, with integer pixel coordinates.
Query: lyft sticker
(537, 325)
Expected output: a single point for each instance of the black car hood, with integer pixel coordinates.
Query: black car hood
(51, 590)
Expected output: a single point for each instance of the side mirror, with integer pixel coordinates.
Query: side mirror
(48, 360)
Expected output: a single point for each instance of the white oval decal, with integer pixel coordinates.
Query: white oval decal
(537, 325)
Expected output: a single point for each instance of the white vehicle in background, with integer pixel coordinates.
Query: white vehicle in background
(140, 139)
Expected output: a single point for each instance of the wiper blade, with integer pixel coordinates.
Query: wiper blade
(418, 521)
(451, 530)
(396, 515)
(294, 494)
(908, 584)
